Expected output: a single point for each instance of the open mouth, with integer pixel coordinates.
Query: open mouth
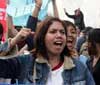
(70, 41)
(58, 43)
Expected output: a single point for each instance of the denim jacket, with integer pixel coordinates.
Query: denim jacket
(28, 70)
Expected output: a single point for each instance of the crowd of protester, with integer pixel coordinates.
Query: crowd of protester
(50, 52)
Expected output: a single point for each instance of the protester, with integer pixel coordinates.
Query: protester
(94, 52)
(71, 32)
(71, 38)
(78, 18)
(33, 20)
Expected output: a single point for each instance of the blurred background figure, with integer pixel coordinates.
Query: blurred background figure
(78, 18)
(94, 52)
(82, 38)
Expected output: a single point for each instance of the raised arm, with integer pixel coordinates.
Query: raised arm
(8, 46)
(32, 20)
(12, 32)
(22, 35)
(70, 16)
(32, 23)
(38, 4)
(56, 14)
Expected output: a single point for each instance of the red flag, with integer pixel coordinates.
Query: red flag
(3, 17)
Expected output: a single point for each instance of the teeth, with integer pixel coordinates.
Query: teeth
(58, 43)
(69, 41)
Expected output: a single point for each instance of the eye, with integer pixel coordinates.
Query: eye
(52, 31)
(73, 32)
(62, 31)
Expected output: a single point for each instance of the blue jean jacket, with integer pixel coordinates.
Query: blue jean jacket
(28, 70)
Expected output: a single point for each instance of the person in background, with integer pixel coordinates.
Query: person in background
(71, 38)
(78, 18)
(94, 52)
(82, 45)
(82, 39)
(49, 57)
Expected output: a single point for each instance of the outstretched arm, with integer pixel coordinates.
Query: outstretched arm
(11, 43)
(21, 36)
(70, 16)
(38, 4)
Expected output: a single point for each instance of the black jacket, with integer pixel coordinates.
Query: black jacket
(79, 20)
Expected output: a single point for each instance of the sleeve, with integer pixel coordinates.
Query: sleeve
(70, 16)
(5, 46)
(89, 78)
(32, 22)
(5, 49)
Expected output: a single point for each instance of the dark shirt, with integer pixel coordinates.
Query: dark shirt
(95, 70)
(96, 73)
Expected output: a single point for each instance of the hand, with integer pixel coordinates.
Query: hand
(21, 36)
(65, 10)
(38, 3)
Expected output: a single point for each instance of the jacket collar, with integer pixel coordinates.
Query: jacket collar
(68, 62)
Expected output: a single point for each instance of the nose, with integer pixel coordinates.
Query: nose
(59, 33)
(69, 34)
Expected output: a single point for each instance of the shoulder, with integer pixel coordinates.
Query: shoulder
(83, 59)
(79, 65)
(80, 69)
